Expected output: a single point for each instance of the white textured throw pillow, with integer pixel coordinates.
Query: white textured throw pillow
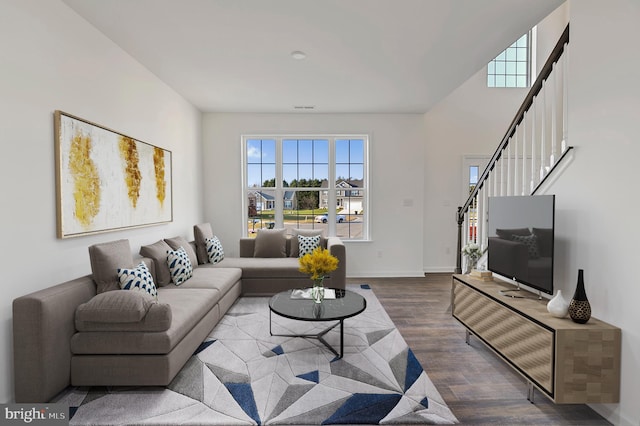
(214, 249)
(138, 278)
(308, 244)
(179, 265)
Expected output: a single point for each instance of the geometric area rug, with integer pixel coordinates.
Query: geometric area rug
(241, 375)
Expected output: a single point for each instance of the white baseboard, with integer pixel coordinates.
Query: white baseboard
(389, 274)
(440, 270)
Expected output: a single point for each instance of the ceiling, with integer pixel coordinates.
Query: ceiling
(362, 56)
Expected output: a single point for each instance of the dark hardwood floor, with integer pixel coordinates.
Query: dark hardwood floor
(477, 385)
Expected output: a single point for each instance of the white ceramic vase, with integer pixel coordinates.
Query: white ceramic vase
(557, 306)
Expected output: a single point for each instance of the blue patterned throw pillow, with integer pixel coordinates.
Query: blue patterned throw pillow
(138, 278)
(308, 244)
(214, 249)
(180, 266)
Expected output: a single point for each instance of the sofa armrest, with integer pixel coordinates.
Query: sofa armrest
(43, 323)
(336, 248)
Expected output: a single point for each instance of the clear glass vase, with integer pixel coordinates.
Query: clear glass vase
(317, 291)
(472, 263)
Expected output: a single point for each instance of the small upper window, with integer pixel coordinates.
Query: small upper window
(512, 67)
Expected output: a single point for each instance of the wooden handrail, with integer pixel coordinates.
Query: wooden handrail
(536, 88)
(546, 70)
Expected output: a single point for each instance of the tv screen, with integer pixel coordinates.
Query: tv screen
(521, 239)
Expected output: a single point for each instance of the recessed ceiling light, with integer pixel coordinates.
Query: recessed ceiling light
(297, 54)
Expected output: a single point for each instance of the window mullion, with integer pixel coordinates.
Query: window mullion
(331, 185)
(279, 190)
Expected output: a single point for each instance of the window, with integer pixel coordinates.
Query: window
(512, 67)
(310, 182)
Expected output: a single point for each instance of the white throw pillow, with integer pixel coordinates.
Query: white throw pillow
(138, 278)
(179, 265)
(215, 253)
(307, 244)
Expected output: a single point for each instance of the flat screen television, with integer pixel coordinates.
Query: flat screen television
(521, 240)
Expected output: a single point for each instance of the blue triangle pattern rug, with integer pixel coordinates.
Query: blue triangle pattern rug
(241, 375)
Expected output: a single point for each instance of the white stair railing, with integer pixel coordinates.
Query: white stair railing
(531, 148)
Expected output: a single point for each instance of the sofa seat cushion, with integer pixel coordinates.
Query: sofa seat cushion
(187, 309)
(221, 279)
(123, 311)
(254, 267)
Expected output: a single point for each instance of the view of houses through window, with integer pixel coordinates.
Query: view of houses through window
(311, 182)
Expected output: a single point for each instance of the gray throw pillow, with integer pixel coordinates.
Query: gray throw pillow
(105, 260)
(177, 242)
(270, 243)
(200, 234)
(158, 252)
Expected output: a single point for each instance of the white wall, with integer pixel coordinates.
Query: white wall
(396, 170)
(52, 59)
(471, 121)
(596, 198)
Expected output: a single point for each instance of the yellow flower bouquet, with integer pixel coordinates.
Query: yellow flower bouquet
(317, 265)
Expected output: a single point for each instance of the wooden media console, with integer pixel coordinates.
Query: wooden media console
(568, 362)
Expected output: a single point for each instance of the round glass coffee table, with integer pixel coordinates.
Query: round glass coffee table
(346, 304)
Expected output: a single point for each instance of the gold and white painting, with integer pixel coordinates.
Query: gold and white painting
(108, 181)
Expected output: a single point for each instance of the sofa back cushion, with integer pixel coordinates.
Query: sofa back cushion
(200, 234)
(158, 252)
(105, 260)
(270, 243)
(507, 234)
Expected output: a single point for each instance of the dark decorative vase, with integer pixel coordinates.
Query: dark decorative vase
(579, 308)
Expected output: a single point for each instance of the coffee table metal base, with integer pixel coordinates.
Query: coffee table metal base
(318, 336)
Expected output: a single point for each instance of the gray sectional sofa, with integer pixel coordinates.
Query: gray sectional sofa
(88, 332)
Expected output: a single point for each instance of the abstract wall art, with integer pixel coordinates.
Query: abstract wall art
(107, 181)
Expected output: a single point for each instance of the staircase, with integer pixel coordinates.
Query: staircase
(535, 143)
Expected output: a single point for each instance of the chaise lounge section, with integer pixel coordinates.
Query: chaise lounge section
(269, 262)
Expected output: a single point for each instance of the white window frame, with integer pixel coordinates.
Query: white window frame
(331, 190)
(530, 62)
